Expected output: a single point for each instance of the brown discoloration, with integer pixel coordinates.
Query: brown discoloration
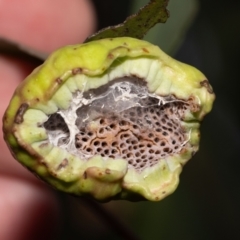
(20, 112)
(110, 55)
(5, 118)
(194, 107)
(53, 174)
(44, 164)
(145, 50)
(63, 164)
(135, 76)
(76, 71)
(59, 81)
(206, 84)
(183, 150)
(85, 175)
(108, 171)
(43, 145)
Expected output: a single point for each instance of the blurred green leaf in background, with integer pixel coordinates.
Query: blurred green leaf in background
(170, 35)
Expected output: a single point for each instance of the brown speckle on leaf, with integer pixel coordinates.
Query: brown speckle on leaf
(53, 174)
(145, 50)
(110, 55)
(76, 71)
(44, 163)
(134, 76)
(63, 164)
(206, 84)
(85, 175)
(108, 171)
(59, 80)
(183, 150)
(5, 118)
(19, 116)
(43, 145)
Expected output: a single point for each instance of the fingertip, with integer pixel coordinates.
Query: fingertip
(47, 24)
(28, 210)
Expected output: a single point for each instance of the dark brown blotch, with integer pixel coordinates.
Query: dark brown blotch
(63, 164)
(76, 71)
(85, 175)
(20, 112)
(110, 56)
(43, 145)
(206, 84)
(59, 81)
(145, 50)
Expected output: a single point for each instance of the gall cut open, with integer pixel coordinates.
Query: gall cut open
(111, 119)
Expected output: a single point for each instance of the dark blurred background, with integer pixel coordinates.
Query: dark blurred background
(206, 203)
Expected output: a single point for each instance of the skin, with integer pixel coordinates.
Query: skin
(29, 209)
